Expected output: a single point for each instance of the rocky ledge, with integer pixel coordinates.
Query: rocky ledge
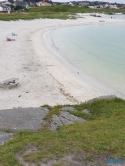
(32, 119)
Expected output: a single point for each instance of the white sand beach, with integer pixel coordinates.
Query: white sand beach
(42, 78)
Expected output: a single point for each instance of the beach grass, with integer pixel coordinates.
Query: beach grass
(104, 132)
(54, 12)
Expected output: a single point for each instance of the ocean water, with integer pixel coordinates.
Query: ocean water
(97, 50)
(114, 16)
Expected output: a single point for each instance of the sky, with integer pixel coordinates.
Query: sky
(111, 1)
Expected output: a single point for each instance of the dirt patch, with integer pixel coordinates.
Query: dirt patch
(74, 159)
(20, 156)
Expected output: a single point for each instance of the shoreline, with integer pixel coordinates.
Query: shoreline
(43, 80)
(78, 73)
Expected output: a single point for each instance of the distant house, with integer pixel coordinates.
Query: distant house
(43, 3)
(109, 6)
(71, 4)
(101, 6)
(4, 8)
(21, 3)
(74, 3)
(123, 6)
(32, 4)
(92, 7)
(106, 5)
(60, 3)
(6, 3)
(84, 3)
(19, 0)
(55, 3)
(114, 6)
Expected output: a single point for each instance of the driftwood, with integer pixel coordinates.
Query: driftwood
(10, 83)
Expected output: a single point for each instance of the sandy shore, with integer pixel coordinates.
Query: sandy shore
(43, 79)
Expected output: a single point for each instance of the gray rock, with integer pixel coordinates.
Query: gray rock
(22, 118)
(4, 137)
(68, 108)
(65, 118)
(65, 121)
(57, 120)
(85, 111)
(53, 126)
(70, 117)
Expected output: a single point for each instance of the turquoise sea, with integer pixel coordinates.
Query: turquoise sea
(97, 50)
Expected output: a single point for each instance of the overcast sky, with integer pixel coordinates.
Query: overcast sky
(117, 1)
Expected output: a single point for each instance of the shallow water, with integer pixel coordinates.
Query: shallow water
(114, 16)
(97, 50)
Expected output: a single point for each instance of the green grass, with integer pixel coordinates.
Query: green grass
(53, 110)
(58, 12)
(103, 133)
(101, 109)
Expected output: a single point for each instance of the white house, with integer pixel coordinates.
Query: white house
(71, 4)
(7, 3)
(4, 8)
(113, 6)
(1, 9)
(43, 3)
